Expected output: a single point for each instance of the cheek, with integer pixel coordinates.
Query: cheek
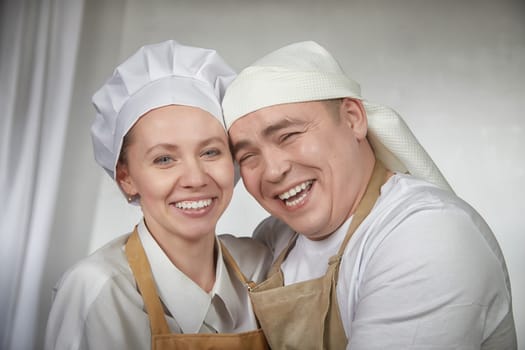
(155, 186)
(151, 182)
(223, 174)
(314, 153)
(251, 180)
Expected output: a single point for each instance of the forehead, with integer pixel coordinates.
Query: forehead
(272, 118)
(177, 118)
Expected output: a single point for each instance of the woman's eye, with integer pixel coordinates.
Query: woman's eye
(163, 160)
(211, 153)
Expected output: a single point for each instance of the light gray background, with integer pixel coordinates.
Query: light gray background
(453, 69)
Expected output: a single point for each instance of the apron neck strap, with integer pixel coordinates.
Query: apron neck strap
(230, 261)
(366, 204)
(141, 268)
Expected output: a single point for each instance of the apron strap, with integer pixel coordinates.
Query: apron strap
(373, 190)
(141, 268)
(365, 205)
(230, 261)
(276, 266)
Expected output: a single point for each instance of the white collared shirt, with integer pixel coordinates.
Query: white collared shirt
(222, 310)
(97, 306)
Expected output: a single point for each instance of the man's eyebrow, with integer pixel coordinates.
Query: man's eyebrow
(237, 147)
(266, 132)
(272, 129)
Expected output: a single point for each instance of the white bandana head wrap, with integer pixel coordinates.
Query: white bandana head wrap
(305, 71)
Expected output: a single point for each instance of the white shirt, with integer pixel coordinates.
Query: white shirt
(422, 271)
(97, 306)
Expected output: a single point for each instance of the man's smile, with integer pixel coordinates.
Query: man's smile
(296, 194)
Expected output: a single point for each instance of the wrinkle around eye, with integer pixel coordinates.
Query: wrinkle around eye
(289, 136)
(246, 158)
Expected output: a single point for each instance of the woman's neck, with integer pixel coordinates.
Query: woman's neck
(195, 258)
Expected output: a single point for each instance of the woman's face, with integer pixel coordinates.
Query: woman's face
(178, 163)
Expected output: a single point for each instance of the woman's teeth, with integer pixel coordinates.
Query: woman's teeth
(193, 204)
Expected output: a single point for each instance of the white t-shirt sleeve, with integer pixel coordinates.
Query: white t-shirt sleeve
(433, 282)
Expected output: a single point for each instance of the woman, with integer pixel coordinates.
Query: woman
(158, 134)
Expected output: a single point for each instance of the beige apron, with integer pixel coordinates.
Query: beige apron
(161, 337)
(305, 315)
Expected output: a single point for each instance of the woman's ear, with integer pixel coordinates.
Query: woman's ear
(124, 180)
(353, 113)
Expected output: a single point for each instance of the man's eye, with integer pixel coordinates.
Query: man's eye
(244, 157)
(289, 136)
(163, 160)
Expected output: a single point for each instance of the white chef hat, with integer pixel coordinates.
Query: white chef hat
(155, 76)
(305, 71)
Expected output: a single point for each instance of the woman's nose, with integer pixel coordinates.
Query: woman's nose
(193, 174)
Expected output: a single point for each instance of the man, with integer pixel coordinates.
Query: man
(385, 255)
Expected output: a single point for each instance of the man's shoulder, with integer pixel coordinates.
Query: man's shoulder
(409, 187)
(433, 231)
(273, 233)
(253, 257)
(244, 249)
(407, 195)
(407, 202)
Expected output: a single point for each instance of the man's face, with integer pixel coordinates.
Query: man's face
(302, 161)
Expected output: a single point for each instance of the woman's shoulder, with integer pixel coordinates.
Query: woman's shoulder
(93, 294)
(98, 268)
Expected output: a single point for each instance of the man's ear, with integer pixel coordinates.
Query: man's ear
(353, 113)
(124, 180)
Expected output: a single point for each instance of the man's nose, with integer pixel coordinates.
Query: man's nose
(277, 165)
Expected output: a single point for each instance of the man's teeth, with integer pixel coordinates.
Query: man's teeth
(193, 204)
(295, 191)
(296, 201)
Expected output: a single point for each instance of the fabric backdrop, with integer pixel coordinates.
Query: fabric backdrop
(38, 47)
